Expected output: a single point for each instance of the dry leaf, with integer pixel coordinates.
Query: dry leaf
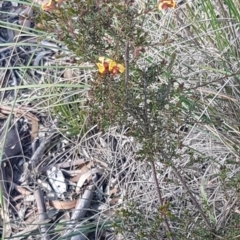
(87, 177)
(62, 205)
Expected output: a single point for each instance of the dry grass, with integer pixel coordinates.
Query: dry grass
(191, 147)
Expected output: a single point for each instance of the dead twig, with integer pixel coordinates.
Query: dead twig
(167, 226)
(35, 159)
(81, 208)
(42, 212)
(195, 202)
(39, 193)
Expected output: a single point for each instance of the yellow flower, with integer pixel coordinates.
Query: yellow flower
(106, 65)
(103, 59)
(101, 68)
(103, 65)
(51, 5)
(112, 65)
(165, 4)
(116, 68)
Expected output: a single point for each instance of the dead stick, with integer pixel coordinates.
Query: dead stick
(195, 202)
(160, 196)
(38, 193)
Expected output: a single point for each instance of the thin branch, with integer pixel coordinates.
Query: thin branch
(81, 209)
(35, 159)
(195, 202)
(42, 213)
(126, 61)
(167, 226)
(148, 132)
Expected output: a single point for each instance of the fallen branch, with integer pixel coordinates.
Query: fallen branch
(35, 159)
(81, 209)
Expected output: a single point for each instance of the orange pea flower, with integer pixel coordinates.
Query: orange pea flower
(116, 68)
(103, 65)
(165, 4)
(107, 65)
